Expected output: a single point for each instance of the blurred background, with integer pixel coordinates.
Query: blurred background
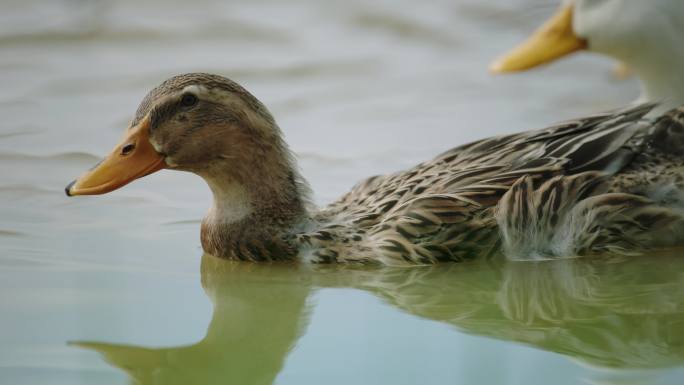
(358, 87)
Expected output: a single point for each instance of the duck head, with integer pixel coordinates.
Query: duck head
(646, 35)
(191, 122)
(624, 29)
(209, 125)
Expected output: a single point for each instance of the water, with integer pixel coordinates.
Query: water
(109, 290)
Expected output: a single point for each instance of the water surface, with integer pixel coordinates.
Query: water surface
(114, 289)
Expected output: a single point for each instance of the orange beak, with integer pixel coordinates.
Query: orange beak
(131, 159)
(551, 41)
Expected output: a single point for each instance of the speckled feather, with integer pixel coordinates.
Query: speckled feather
(575, 188)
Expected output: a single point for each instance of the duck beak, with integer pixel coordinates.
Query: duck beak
(131, 159)
(552, 40)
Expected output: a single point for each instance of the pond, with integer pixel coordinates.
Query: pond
(115, 290)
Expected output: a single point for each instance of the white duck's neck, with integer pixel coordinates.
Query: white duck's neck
(662, 79)
(645, 35)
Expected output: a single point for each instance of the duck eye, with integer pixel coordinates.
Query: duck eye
(188, 100)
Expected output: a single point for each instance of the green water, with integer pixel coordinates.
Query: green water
(114, 289)
(561, 322)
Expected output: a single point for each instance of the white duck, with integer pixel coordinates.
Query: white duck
(646, 35)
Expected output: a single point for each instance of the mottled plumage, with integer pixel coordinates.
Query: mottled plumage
(609, 182)
(583, 186)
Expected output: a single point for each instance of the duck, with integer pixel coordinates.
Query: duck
(610, 182)
(645, 36)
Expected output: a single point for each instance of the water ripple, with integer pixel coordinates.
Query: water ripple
(233, 30)
(11, 233)
(64, 156)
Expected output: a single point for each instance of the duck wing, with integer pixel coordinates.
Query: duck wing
(461, 203)
(625, 199)
(605, 142)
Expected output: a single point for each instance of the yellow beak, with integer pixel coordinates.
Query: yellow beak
(131, 159)
(552, 40)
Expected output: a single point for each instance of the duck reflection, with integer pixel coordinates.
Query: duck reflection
(612, 314)
(617, 313)
(259, 313)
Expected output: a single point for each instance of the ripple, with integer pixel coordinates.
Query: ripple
(22, 188)
(226, 29)
(11, 134)
(11, 233)
(405, 28)
(81, 85)
(304, 69)
(182, 222)
(321, 157)
(77, 156)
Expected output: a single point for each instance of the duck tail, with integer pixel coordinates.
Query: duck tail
(619, 223)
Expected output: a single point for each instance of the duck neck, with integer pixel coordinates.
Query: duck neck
(661, 75)
(253, 215)
(663, 85)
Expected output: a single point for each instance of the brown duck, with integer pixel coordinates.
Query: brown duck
(605, 183)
